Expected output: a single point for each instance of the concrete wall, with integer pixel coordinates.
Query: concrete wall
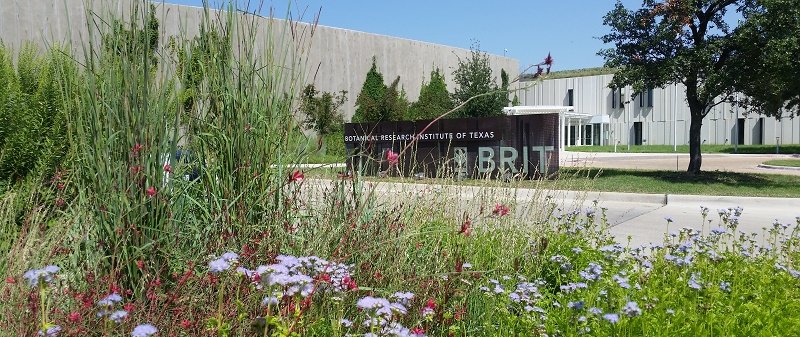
(669, 114)
(338, 59)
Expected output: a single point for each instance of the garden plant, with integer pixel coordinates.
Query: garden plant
(185, 214)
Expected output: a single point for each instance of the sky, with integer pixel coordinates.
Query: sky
(524, 30)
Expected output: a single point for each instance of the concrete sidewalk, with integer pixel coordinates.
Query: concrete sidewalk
(745, 163)
(635, 218)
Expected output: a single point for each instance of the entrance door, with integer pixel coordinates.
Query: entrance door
(740, 131)
(637, 133)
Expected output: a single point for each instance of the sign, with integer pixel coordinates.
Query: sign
(520, 146)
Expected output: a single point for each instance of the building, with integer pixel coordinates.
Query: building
(338, 59)
(659, 116)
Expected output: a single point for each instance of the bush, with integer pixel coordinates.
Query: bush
(32, 116)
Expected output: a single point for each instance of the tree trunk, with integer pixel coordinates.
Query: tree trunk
(695, 156)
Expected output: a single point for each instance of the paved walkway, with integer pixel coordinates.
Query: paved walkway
(746, 163)
(635, 218)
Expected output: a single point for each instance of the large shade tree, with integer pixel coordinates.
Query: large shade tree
(765, 65)
(669, 41)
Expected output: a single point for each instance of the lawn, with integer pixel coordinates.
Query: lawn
(653, 182)
(784, 162)
(743, 149)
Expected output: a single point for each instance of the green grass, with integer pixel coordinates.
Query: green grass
(743, 149)
(652, 182)
(784, 162)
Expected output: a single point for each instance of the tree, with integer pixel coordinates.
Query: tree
(370, 99)
(434, 99)
(394, 104)
(504, 86)
(321, 110)
(674, 41)
(764, 65)
(474, 77)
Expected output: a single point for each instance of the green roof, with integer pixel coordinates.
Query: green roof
(576, 73)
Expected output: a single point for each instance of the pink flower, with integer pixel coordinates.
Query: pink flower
(466, 227)
(500, 210)
(297, 176)
(140, 264)
(10, 280)
(74, 317)
(60, 202)
(186, 324)
(151, 191)
(392, 157)
(136, 148)
(167, 168)
(548, 61)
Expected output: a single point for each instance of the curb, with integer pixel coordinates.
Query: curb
(775, 167)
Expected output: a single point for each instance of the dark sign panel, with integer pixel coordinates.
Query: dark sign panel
(518, 146)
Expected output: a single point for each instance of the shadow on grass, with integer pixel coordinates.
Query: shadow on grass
(762, 149)
(752, 180)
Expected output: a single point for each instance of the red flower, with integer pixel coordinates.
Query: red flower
(325, 277)
(548, 61)
(500, 210)
(74, 317)
(297, 176)
(349, 283)
(60, 186)
(140, 264)
(136, 148)
(186, 324)
(151, 191)
(377, 275)
(430, 304)
(128, 307)
(418, 331)
(10, 280)
(167, 168)
(392, 157)
(136, 169)
(466, 227)
(60, 202)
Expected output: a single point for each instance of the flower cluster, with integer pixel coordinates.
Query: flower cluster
(381, 314)
(222, 263)
(106, 305)
(46, 274)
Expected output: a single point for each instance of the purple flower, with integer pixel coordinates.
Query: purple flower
(109, 300)
(118, 316)
(219, 265)
(33, 276)
(230, 256)
(346, 322)
(669, 219)
(402, 297)
(592, 272)
(631, 309)
(144, 330)
(577, 305)
(595, 311)
(613, 318)
(621, 281)
(725, 286)
(50, 331)
(694, 281)
(269, 300)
